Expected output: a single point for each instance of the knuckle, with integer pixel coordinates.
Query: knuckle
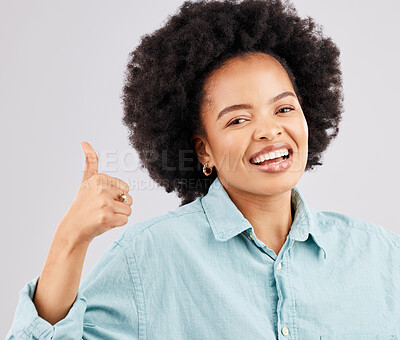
(122, 185)
(126, 187)
(105, 215)
(98, 176)
(98, 179)
(101, 177)
(102, 189)
(110, 181)
(104, 202)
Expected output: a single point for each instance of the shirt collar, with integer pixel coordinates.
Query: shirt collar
(227, 221)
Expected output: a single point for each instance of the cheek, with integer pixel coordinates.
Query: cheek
(229, 150)
(300, 130)
(305, 127)
(302, 138)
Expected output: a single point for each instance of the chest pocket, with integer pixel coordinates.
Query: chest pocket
(358, 336)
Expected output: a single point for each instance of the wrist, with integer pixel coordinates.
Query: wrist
(67, 237)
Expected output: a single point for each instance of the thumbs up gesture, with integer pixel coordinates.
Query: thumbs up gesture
(97, 206)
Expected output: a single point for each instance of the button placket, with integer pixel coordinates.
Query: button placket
(285, 330)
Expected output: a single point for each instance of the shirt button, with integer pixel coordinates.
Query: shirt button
(251, 236)
(279, 266)
(285, 331)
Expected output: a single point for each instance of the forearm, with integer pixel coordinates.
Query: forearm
(59, 281)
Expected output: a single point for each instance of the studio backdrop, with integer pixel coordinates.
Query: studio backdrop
(62, 69)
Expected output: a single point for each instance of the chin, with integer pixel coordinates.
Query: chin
(271, 186)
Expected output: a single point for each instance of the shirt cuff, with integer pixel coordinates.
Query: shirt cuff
(27, 324)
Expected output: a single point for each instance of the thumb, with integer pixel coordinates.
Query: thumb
(91, 162)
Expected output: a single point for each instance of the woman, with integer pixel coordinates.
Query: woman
(254, 93)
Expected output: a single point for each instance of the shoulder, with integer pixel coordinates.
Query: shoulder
(184, 220)
(348, 226)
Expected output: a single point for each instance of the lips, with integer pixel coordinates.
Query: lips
(270, 148)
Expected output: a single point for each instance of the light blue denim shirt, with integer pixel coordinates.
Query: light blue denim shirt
(200, 272)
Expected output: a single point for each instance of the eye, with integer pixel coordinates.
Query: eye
(235, 120)
(286, 108)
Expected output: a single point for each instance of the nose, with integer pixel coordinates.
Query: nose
(267, 128)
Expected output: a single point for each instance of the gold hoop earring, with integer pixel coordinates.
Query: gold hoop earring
(205, 167)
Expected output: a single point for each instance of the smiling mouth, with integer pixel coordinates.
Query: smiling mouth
(276, 160)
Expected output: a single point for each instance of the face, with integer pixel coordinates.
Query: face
(232, 138)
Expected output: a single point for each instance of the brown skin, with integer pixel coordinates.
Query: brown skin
(96, 209)
(263, 198)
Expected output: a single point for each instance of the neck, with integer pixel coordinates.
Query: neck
(270, 215)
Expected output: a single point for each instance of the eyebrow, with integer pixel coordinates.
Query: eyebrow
(248, 106)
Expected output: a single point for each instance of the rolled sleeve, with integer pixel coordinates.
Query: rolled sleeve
(104, 308)
(27, 324)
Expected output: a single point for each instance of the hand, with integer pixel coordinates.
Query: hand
(97, 206)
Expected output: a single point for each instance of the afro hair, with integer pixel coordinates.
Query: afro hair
(163, 91)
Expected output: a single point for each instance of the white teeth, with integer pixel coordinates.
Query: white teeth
(271, 155)
(282, 160)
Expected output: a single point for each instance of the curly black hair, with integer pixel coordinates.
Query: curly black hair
(163, 91)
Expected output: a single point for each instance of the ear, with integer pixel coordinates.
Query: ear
(200, 146)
